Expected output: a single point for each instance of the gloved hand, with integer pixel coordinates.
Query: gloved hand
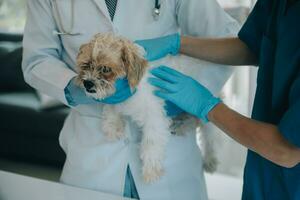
(76, 95)
(172, 110)
(184, 92)
(160, 47)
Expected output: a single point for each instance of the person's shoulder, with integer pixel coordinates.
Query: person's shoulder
(262, 10)
(265, 4)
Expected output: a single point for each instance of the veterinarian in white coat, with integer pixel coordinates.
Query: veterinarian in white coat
(49, 65)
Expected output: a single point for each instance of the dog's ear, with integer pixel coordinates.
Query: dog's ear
(83, 60)
(85, 54)
(135, 65)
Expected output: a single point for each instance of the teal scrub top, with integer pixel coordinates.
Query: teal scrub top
(272, 32)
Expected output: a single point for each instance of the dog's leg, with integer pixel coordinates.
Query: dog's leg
(210, 161)
(112, 123)
(153, 149)
(155, 128)
(148, 112)
(156, 132)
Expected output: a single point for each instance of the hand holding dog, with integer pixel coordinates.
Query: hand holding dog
(172, 110)
(183, 91)
(160, 47)
(76, 95)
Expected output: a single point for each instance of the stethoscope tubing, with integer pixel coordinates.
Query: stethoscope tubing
(156, 13)
(59, 19)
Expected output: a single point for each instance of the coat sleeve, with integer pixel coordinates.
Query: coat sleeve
(204, 18)
(42, 66)
(253, 29)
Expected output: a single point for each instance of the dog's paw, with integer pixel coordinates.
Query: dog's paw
(152, 157)
(210, 164)
(152, 166)
(152, 173)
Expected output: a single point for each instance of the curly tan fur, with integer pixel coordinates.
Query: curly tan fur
(116, 54)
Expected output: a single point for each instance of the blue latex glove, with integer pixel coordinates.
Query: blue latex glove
(172, 110)
(186, 93)
(76, 95)
(160, 47)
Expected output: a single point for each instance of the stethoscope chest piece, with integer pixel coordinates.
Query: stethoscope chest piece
(156, 10)
(156, 13)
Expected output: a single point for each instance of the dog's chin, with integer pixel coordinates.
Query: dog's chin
(101, 94)
(93, 95)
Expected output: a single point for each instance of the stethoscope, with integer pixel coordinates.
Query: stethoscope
(64, 31)
(69, 31)
(156, 10)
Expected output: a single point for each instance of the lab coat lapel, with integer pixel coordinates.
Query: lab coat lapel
(103, 8)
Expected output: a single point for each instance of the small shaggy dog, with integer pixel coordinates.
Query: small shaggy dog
(105, 59)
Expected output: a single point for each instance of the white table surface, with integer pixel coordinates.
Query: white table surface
(17, 187)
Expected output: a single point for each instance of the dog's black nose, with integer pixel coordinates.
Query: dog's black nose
(88, 84)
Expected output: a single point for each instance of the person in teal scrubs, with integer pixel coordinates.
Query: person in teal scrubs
(270, 38)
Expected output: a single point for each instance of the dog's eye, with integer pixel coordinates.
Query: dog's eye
(105, 69)
(85, 66)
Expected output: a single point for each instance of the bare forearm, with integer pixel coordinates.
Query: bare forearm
(228, 51)
(262, 138)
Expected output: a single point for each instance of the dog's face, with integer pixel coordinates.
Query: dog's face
(105, 59)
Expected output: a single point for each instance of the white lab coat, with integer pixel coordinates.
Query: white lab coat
(49, 64)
